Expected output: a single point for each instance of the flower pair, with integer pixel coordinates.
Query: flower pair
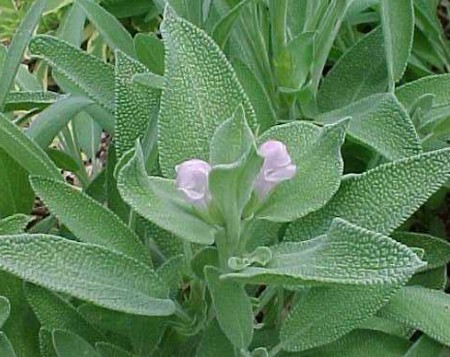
(192, 175)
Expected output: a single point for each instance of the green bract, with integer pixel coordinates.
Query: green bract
(236, 178)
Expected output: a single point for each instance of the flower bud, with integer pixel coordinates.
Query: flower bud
(192, 181)
(277, 167)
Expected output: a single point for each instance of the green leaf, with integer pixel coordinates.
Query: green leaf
(324, 314)
(115, 35)
(437, 251)
(436, 85)
(233, 308)
(109, 350)
(14, 224)
(358, 344)
(215, 343)
(397, 18)
(63, 160)
(201, 91)
(347, 254)
(86, 271)
(90, 75)
(380, 122)
(293, 63)
(55, 313)
(359, 73)
(29, 100)
(157, 200)
(88, 219)
(222, 30)
(54, 118)
(5, 309)
(136, 106)
(17, 47)
(6, 348)
(425, 347)
(16, 195)
(317, 154)
(423, 309)
(46, 343)
(22, 149)
(260, 100)
(150, 52)
(68, 344)
(380, 199)
(432, 279)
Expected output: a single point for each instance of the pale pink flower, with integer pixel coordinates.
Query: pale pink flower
(192, 181)
(277, 167)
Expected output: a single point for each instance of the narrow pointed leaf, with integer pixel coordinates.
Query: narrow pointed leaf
(380, 199)
(86, 271)
(29, 100)
(68, 344)
(17, 47)
(88, 219)
(22, 149)
(233, 308)
(157, 200)
(87, 73)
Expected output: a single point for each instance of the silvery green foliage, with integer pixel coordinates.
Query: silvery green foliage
(250, 205)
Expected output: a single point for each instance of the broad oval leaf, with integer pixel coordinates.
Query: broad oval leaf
(86, 271)
(382, 123)
(317, 154)
(347, 254)
(380, 199)
(201, 91)
(68, 344)
(14, 224)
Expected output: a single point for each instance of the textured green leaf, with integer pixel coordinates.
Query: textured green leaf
(233, 308)
(6, 348)
(68, 344)
(87, 73)
(426, 347)
(347, 254)
(150, 51)
(432, 279)
(324, 314)
(437, 85)
(22, 149)
(380, 199)
(115, 35)
(360, 343)
(29, 100)
(215, 343)
(14, 224)
(55, 313)
(358, 73)
(423, 309)
(16, 195)
(89, 220)
(17, 47)
(397, 18)
(317, 154)
(380, 122)
(86, 271)
(157, 200)
(390, 327)
(136, 106)
(54, 118)
(46, 343)
(201, 91)
(257, 95)
(437, 250)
